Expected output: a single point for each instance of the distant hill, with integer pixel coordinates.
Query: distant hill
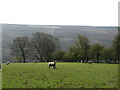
(66, 34)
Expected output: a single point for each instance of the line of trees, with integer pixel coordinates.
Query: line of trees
(44, 47)
(40, 47)
(83, 50)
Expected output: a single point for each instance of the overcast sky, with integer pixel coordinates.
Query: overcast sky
(60, 12)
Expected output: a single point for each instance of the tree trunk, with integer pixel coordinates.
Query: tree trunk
(24, 59)
(87, 59)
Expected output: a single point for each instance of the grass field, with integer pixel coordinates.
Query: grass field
(67, 75)
(0, 79)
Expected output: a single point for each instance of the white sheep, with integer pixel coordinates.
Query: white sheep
(81, 61)
(53, 64)
(35, 61)
(90, 62)
(7, 62)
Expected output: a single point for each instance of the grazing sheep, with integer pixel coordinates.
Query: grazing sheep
(7, 62)
(81, 61)
(89, 62)
(35, 61)
(53, 64)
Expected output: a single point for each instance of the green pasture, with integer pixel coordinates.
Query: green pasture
(0, 79)
(66, 75)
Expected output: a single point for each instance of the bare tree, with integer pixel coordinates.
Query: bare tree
(43, 45)
(20, 47)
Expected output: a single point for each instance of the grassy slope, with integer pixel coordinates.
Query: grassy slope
(0, 79)
(67, 75)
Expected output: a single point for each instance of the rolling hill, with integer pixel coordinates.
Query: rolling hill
(66, 34)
